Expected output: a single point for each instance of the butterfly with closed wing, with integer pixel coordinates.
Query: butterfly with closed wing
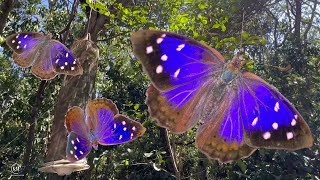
(238, 111)
(47, 57)
(99, 124)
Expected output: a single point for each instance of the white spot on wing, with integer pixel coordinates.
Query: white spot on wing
(75, 147)
(71, 152)
(275, 126)
(74, 62)
(114, 126)
(66, 63)
(75, 156)
(17, 36)
(67, 55)
(254, 122)
(276, 107)
(62, 67)
(123, 123)
(18, 47)
(81, 152)
(159, 69)
(13, 41)
(72, 68)
(266, 135)
(72, 141)
(25, 36)
(180, 47)
(159, 40)
(19, 42)
(25, 46)
(124, 128)
(176, 73)
(78, 139)
(149, 49)
(57, 61)
(296, 116)
(164, 57)
(289, 135)
(293, 122)
(120, 137)
(163, 35)
(133, 128)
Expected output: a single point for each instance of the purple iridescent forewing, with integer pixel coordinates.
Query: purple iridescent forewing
(179, 69)
(269, 119)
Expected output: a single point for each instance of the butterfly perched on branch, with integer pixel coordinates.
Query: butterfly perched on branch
(47, 57)
(100, 123)
(238, 111)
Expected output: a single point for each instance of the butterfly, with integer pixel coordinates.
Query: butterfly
(238, 111)
(99, 124)
(46, 56)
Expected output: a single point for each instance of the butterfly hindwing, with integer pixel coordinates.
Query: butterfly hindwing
(269, 118)
(122, 130)
(77, 147)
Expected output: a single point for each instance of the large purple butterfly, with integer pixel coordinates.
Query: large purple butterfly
(99, 124)
(46, 56)
(238, 112)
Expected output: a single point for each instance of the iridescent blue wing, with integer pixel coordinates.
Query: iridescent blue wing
(63, 60)
(179, 69)
(269, 119)
(123, 129)
(251, 114)
(24, 46)
(221, 136)
(78, 147)
(109, 127)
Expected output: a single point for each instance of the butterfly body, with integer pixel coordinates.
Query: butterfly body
(46, 56)
(99, 124)
(238, 111)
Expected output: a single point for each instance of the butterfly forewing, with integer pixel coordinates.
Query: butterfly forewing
(24, 42)
(122, 130)
(74, 121)
(269, 118)
(179, 68)
(171, 60)
(77, 147)
(63, 60)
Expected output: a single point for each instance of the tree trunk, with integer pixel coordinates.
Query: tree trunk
(27, 161)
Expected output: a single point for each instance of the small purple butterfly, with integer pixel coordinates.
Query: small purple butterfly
(238, 112)
(99, 124)
(46, 56)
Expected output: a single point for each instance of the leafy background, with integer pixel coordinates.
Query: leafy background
(280, 38)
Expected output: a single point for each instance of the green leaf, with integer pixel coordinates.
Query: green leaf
(136, 107)
(126, 162)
